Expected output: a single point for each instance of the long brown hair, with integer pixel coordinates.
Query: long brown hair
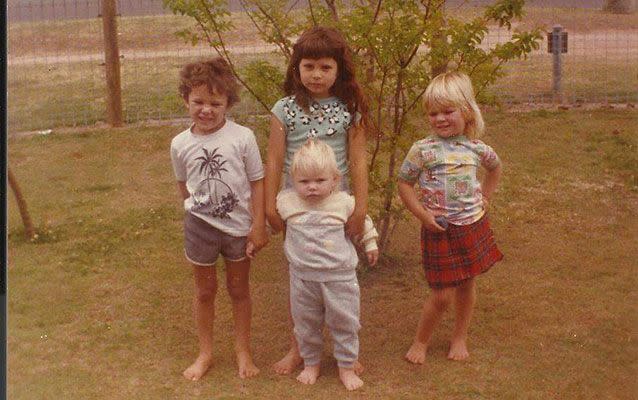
(319, 42)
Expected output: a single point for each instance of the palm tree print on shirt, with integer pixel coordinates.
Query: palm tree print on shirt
(213, 196)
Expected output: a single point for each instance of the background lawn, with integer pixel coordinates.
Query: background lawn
(99, 305)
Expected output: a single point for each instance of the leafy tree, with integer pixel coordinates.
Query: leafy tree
(399, 46)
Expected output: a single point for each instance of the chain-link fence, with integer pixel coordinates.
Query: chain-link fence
(56, 73)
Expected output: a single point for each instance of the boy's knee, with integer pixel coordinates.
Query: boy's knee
(205, 295)
(237, 290)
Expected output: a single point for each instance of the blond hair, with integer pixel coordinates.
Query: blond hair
(454, 89)
(314, 157)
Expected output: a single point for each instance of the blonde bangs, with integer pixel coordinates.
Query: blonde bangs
(454, 90)
(313, 158)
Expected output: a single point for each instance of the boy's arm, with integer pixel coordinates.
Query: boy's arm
(490, 182)
(274, 165)
(412, 203)
(257, 238)
(358, 179)
(183, 191)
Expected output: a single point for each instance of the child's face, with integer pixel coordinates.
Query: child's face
(318, 75)
(447, 122)
(206, 109)
(314, 187)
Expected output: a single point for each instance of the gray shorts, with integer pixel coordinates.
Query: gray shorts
(203, 243)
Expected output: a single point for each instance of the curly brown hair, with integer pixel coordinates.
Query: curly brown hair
(214, 73)
(319, 42)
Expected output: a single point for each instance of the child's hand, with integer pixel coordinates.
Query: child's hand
(373, 257)
(486, 202)
(430, 224)
(250, 250)
(274, 219)
(354, 225)
(257, 239)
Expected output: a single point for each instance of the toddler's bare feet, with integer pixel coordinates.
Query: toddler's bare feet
(416, 354)
(309, 374)
(349, 379)
(358, 368)
(458, 350)
(289, 363)
(198, 368)
(247, 368)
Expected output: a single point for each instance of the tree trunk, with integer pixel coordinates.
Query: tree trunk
(22, 205)
(620, 6)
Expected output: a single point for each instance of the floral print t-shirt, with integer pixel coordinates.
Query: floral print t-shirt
(328, 120)
(445, 169)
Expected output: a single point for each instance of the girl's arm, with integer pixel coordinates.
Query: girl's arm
(257, 237)
(358, 178)
(274, 165)
(183, 191)
(412, 203)
(490, 182)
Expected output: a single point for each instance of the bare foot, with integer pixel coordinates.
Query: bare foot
(289, 363)
(416, 354)
(358, 368)
(349, 379)
(198, 368)
(247, 368)
(458, 350)
(309, 374)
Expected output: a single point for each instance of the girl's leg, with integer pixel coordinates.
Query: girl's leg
(465, 298)
(292, 359)
(204, 310)
(237, 283)
(433, 309)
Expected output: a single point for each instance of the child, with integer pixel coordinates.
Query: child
(445, 165)
(324, 101)
(323, 280)
(220, 177)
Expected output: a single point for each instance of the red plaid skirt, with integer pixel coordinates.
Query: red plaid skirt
(459, 253)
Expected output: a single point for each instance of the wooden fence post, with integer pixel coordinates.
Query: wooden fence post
(29, 230)
(112, 64)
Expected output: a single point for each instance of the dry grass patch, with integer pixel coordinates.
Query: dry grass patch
(99, 306)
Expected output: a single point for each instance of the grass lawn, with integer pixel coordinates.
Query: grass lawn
(99, 305)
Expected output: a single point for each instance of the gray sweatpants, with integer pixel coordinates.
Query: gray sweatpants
(335, 303)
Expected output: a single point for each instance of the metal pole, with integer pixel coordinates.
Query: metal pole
(556, 55)
(112, 63)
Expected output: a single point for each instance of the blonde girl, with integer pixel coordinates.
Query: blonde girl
(324, 101)
(457, 243)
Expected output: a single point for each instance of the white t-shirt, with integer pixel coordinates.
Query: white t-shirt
(218, 169)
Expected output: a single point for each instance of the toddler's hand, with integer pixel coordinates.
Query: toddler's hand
(373, 257)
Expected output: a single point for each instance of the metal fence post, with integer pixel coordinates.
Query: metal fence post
(556, 56)
(112, 64)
